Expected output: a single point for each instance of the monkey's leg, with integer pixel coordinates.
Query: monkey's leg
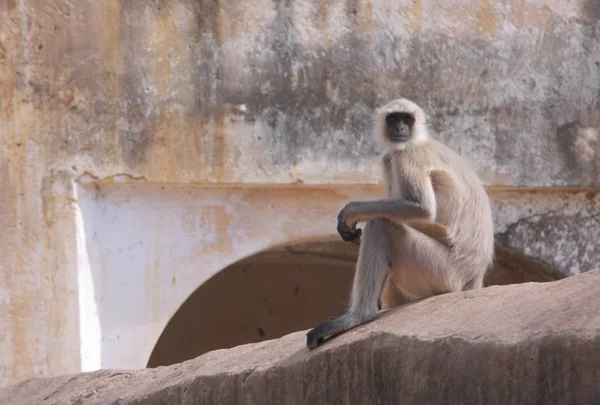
(372, 269)
(422, 266)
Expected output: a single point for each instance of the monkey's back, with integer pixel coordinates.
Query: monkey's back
(463, 206)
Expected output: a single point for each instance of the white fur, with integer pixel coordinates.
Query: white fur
(401, 105)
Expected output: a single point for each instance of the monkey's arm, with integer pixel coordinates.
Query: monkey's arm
(421, 208)
(351, 234)
(395, 209)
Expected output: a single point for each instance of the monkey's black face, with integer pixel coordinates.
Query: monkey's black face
(399, 126)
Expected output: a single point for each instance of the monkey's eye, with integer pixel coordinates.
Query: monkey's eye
(391, 118)
(410, 120)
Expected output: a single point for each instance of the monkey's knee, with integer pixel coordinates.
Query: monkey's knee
(377, 243)
(377, 228)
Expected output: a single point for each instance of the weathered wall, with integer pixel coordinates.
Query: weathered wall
(562, 228)
(194, 91)
(262, 91)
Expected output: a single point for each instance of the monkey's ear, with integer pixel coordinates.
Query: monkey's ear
(380, 109)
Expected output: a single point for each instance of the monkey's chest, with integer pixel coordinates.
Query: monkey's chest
(400, 188)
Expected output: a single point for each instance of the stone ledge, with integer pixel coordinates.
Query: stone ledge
(525, 343)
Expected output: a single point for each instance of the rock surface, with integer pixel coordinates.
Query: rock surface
(517, 344)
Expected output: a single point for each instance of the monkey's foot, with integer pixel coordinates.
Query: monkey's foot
(333, 326)
(312, 340)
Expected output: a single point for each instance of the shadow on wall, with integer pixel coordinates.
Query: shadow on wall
(284, 290)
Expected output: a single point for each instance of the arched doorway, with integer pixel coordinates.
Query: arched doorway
(264, 296)
(286, 289)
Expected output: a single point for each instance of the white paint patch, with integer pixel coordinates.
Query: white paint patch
(144, 248)
(90, 331)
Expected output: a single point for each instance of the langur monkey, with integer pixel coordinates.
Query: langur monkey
(432, 235)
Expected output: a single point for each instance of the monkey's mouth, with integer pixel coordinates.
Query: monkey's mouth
(398, 138)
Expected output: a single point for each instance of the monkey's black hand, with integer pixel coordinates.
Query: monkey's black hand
(348, 234)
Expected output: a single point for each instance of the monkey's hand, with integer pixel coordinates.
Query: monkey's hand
(348, 233)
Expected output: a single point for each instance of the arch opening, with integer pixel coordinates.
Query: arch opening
(264, 296)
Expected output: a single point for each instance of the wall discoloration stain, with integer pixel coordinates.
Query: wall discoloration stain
(591, 10)
(581, 148)
(309, 100)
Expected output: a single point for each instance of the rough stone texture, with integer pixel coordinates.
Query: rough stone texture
(527, 343)
(513, 267)
(270, 92)
(561, 228)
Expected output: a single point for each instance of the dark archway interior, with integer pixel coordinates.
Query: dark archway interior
(262, 297)
(285, 290)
